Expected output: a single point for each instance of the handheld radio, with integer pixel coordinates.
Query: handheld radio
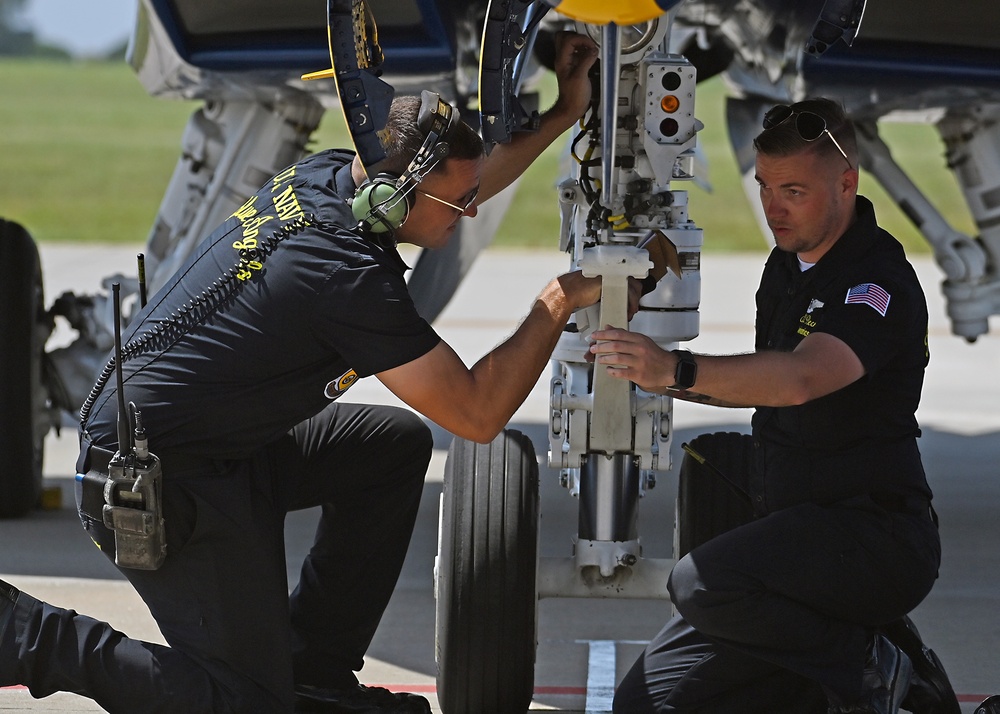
(133, 501)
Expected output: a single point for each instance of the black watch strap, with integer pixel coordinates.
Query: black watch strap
(686, 372)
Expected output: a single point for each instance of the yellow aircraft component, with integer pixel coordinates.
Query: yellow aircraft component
(620, 12)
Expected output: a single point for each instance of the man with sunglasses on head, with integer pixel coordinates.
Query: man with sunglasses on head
(237, 366)
(803, 608)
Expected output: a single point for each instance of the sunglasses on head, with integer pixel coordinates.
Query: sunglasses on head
(809, 125)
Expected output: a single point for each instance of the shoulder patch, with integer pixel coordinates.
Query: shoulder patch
(341, 384)
(869, 294)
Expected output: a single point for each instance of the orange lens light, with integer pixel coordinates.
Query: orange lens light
(670, 104)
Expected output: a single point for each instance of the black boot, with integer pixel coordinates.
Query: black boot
(885, 682)
(930, 690)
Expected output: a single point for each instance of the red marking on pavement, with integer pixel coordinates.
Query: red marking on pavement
(581, 691)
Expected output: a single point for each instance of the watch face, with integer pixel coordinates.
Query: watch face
(686, 372)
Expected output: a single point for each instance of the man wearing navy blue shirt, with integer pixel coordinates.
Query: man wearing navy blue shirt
(238, 386)
(787, 613)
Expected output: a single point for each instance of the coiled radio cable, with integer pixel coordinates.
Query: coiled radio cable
(198, 309)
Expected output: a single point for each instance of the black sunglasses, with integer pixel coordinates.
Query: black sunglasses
(809, 125)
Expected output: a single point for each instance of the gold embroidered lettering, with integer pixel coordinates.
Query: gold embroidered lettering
(286, 205)
(247, 210)
(281, 178)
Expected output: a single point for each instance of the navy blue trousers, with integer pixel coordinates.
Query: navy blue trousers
(775, 613)
(237, 641)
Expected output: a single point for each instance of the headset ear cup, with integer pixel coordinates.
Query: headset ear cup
(378, 206)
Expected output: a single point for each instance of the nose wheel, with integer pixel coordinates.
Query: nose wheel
(485, 576)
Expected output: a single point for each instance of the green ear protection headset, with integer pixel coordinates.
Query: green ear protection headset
(382, 204)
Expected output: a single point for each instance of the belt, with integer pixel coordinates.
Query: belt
(92, 472)
(94, 457)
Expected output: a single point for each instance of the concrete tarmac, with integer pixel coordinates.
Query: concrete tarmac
(585, 646)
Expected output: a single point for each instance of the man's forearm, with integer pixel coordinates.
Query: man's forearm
(508, 161)
(506, 375)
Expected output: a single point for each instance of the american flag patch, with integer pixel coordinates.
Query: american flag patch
(869, 294)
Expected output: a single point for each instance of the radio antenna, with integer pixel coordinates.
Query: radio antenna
(141, 260)
(124, 438)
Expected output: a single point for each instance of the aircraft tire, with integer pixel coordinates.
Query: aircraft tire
(22, 306)
(486, 625)
(990, 705)
(707, 504)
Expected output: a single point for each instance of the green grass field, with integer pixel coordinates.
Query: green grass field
(86, 156)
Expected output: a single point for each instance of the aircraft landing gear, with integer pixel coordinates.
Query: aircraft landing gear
(485, 574)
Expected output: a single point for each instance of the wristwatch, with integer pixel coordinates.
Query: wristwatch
(686, 371)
